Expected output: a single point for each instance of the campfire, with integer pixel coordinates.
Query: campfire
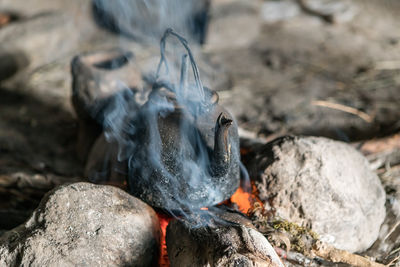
(241, 200)
(178, 151)
(170, 157)
(191, 140)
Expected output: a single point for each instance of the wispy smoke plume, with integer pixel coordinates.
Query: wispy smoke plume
(148, 19)
(181, 150)
(180, 146)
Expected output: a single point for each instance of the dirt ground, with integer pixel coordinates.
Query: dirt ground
(297, 61)
(286, 72)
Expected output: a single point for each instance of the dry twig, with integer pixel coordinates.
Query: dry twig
(342, 256)
(297, 258)
(387, 65)
(343, 108)
(393, 261)
(380, 145)
(394, 227)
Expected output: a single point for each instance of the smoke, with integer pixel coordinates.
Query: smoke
(180, 146)
(148, 19)
(170, 142)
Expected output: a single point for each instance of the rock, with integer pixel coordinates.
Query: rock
(221, 244)
(83, 224)
(322, 184)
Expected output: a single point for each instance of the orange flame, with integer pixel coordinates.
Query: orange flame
(245, 200)
(164, 221)
(242, 199)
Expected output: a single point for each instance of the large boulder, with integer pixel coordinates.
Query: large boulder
(83, 224)
(322, 184)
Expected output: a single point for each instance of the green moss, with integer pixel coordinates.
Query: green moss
(301, 238)
(293, 229)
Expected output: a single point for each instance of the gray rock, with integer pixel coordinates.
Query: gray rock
(83, 224)
(222, 244)
(322, 184)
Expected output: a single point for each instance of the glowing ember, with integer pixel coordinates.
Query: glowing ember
(242, 199)
(245, 199)
(164, 221)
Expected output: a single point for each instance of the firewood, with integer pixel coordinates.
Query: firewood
(335, 255)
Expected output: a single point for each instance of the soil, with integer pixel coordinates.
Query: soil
(296, 61)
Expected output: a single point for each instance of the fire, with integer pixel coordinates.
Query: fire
(244, 199)
(247, 194)
(164, 221)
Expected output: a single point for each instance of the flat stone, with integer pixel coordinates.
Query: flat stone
(83, 224)
(322, 184)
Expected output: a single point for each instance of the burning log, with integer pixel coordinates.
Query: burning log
(229, 241)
